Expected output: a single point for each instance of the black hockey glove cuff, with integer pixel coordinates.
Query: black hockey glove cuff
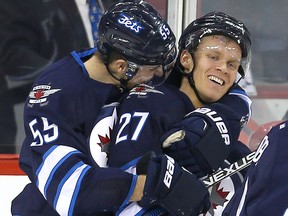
(174, 188)
(203, 140)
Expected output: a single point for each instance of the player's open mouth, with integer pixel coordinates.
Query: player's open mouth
(216, 80)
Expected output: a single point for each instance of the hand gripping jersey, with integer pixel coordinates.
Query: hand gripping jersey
(143, 117)
(59, 117)
(264, 191)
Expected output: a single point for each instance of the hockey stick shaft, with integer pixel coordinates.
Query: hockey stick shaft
(221, 174)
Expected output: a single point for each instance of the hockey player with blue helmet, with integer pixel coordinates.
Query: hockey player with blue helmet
(135, 46)
(213, 51)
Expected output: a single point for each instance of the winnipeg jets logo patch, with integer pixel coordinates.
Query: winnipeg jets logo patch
(221, 194)
(143, 90)
(40, 93)
(101, 134)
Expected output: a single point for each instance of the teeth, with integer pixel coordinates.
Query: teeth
(216, 79)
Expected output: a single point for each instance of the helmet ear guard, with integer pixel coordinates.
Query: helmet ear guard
(131, 70)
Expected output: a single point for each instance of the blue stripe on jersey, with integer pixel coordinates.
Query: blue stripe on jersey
(51, 161)
(78, 55)
(141, 212)
(44, 157)
(130, 165)
(66, 191)
(55, 169)
(155, 212)
(75, 194)
(133, 208)
(132, 187)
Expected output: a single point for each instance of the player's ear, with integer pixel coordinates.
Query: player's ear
(187, 61)
(121, 66)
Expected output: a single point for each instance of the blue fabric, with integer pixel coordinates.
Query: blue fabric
(95, 14)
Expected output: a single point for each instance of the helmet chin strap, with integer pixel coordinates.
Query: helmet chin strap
(123, 82)
(131, 71)
(192, 82)
(193, 86)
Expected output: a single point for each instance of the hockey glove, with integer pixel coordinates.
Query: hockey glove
(202, 141)
(172, 187)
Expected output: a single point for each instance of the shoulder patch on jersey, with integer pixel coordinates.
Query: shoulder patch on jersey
(143, 90)
(244, 120)
(40, 93)
(281, 126)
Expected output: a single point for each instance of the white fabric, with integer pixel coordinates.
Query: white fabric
(83, 8)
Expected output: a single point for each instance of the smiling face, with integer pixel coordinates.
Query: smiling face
(217, 59)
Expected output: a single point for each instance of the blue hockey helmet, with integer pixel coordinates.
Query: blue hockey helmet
(138, 32)
(218, 23)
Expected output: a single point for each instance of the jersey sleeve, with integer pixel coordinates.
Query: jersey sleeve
(264, 191)
(238, 100)
(55, 153)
